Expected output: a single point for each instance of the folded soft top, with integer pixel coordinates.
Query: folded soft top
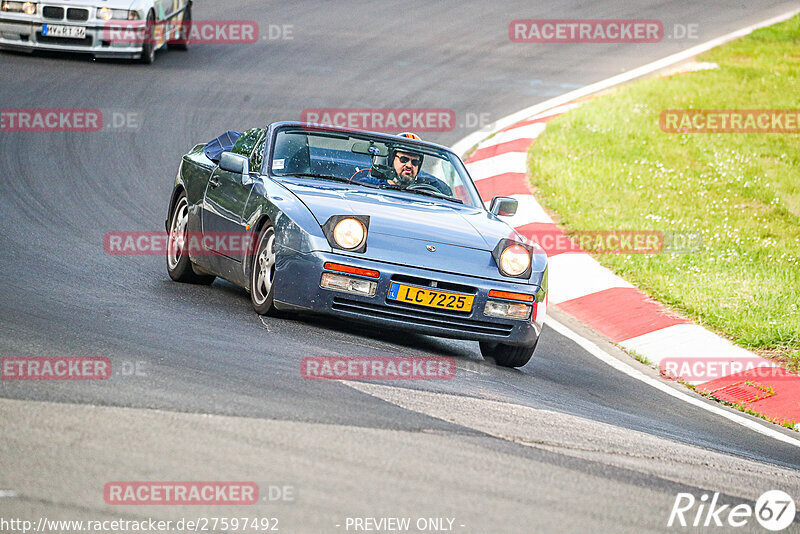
(214, 148)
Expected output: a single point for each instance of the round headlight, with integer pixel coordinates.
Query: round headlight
(29, 8)
(104, 13)
(515, 260)
(349, 233)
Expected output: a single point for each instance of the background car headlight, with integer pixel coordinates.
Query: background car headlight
(105, 13)
(349, 233)
(29, 8)
(515, 260)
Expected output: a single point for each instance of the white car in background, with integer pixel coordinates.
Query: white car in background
(95, 26)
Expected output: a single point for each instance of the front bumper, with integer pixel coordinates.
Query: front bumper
(298, 288)
(26, 35)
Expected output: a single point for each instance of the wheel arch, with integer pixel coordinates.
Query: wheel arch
(173, 201)
(261, 222)
(296, 228)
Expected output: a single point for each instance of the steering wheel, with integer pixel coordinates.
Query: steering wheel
(358, 171)
(423, 187)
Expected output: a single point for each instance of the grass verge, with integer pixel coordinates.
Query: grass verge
(607, 165)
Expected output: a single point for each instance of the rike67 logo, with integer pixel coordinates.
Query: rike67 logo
(774, 510)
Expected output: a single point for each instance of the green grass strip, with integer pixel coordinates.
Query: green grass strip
(608, 165)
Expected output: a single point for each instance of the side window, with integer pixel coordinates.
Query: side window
(257, 156)
(245, 144)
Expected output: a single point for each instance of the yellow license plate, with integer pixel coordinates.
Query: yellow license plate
(430, 297)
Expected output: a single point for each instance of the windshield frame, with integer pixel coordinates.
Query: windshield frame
(428, 149)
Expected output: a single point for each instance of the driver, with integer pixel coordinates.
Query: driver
(406, 165)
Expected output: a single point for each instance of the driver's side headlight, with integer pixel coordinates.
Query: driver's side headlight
(347, 232)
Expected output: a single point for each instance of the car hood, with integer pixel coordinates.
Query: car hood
(403, 226)
(403, 215)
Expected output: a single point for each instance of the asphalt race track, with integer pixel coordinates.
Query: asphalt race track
(566, 443)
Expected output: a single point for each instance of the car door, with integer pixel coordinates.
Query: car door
(169, 11)
(224, 202)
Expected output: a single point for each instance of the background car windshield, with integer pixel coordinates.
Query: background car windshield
(331, 156)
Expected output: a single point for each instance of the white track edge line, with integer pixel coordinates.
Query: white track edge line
(622, 367)
(476, 137)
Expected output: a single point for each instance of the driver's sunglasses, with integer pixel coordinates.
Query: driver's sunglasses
(405, 159)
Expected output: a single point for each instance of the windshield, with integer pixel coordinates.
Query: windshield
(373, 162)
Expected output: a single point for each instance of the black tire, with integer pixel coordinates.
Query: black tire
(149, 45)
(186, 31)
(179, 266)
(262, 273)
(508, 355)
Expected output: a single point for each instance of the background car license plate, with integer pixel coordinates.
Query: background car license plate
(430, 297)
(69, 32)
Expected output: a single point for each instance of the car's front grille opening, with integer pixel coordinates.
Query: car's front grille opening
(44, 39)
(414, 316)
(77, 14)
(53, 13)
(435, 284)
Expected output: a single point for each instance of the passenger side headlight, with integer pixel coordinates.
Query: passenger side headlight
(515, 260)
(512, 258)
(29, 8)
(105, 13)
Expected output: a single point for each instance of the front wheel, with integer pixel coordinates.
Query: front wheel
(262, 273)
(149, 44)
(179, 266)
(508, 355)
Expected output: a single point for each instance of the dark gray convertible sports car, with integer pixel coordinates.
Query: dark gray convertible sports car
(376, 228)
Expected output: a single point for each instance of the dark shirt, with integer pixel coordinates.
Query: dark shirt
(422, 178)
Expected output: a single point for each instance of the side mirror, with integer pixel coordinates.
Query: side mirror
(503, 206)
(234, 163)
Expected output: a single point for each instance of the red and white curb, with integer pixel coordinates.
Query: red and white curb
(594, 295)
